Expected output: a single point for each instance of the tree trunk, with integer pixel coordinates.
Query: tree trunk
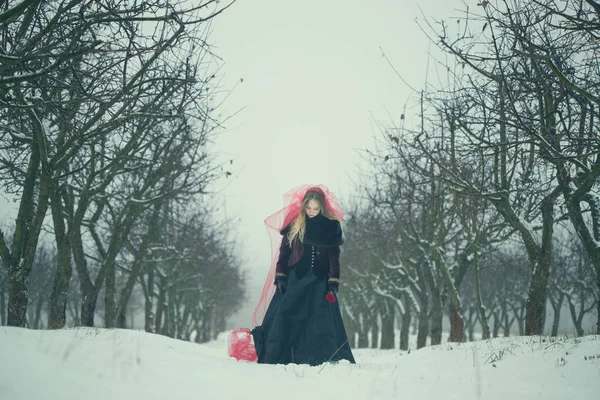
(535, 314)
(507, 322)
(363, 333)
(110, 296)
(472, 320)
(172, 314)
(375, 334)
(86, 286)
(363, 339)
(485, 328)
(220, 325)
(456, 324)
(387, 327)
(138, 263)
(60, 289)
(121, 230)
(167, 314)
(149, 303)
(452, 286)
(598, 304)
(539, 257)
(588, 238)
(29, 223)
(2, 307)
(17, 298)
(576, 318)
(185, 317)
(423, 329)
(518, 311)
(199, 328)
(405, 327)
(121, 321)
(107, 273)
(88, 308)
(206, 325)
(556, 306)
(496, 325)
(436, 320)
(64, 270)
(501, 318)
(160, 308)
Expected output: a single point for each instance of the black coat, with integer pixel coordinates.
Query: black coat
(326, 237)
(301, 326)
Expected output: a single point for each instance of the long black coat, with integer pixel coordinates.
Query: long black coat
(301, 326)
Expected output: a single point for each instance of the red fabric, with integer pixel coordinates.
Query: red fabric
(330, 297)
(241, 346)
(274, 223)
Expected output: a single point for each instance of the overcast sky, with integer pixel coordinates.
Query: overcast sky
(314, 81)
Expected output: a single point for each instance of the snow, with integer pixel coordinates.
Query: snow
(124, 364)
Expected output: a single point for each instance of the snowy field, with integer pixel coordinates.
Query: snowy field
(88, 363)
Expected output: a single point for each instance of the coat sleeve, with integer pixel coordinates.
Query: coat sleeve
(282, 261)
(334, 265)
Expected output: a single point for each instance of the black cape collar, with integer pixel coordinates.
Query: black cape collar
(321, 231)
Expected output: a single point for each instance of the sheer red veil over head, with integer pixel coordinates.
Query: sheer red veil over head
(292, 201)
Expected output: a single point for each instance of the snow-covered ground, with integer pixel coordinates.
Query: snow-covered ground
(88, 363)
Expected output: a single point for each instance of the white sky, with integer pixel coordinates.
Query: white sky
(313, 79)
(100, 364)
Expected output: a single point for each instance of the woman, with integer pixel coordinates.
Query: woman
(303, 323)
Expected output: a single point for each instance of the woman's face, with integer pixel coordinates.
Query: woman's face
(312, 208)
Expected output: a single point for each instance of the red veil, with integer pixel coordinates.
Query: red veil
(274, 223)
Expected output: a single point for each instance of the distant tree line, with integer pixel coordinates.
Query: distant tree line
(484, 204)
(107, 115)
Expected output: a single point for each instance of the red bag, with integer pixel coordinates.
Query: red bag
(241, 346)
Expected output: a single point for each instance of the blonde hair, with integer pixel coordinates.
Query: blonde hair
(298, 226)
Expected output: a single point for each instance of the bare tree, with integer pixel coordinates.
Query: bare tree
(573, 283)
(505, 121)
(40, 286)
(74, 115)
(193, 279)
